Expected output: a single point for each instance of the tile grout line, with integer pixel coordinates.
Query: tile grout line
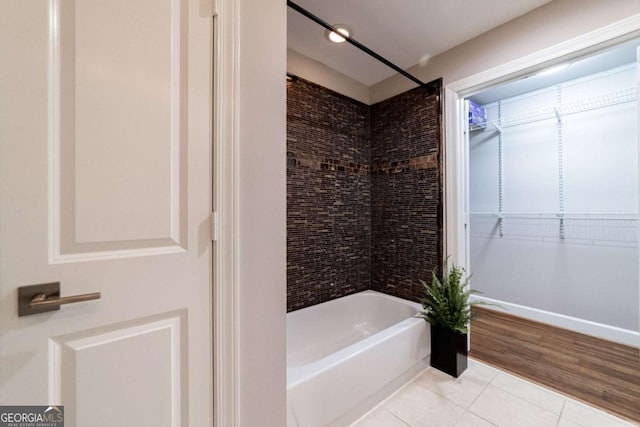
(565, 398)
(482, 391)
(396, 416)
(529, 401)
(438, 394)
(383, 407)
(413, 381)
(493, 379)
(478, 396)
(564, 403)
(381, 404)
(470, 404)
(458, 420)
(594, 410)
(393, 414)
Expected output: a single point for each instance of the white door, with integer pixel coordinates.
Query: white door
(105, 178)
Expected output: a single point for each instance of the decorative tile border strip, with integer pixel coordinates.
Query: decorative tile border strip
(417, 163)
(326, 163)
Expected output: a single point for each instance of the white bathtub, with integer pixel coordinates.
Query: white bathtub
(346, 355)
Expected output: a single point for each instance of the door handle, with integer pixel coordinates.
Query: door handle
(45, 297)
(43, 300)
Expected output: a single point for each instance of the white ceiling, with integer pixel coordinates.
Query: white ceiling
(406, 32)
(623, 54)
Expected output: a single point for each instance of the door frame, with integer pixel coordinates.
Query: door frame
(455, 151)
(250, 249)
(225, 177)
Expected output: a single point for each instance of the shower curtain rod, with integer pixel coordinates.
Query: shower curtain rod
(355, 43)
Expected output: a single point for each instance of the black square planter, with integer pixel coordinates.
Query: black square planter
(448, 351)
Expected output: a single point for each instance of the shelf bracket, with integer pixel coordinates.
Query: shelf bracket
(500, 171)
(560, 162)
(558, 115)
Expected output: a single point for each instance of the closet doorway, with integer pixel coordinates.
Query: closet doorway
(552, 194)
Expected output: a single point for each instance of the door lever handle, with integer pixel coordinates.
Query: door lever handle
(42, 300)
(34, 299)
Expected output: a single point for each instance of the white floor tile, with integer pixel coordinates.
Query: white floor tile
(506, 410)
(588, 416)
(528, 391)
(472, 420)
(379, 417)
(480, 370)
(566, 423)
(434, 399)
(461, 391)
(418, 407)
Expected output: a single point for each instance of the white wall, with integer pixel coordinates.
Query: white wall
(551, 24)
(262, 207)
(316, 72)
(593, 273)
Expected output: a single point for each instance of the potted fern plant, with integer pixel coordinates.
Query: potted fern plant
(447, 309)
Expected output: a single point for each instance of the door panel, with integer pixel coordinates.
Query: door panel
(105, 185)
(81, 364)
(117, 126)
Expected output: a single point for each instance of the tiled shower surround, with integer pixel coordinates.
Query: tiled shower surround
(328, 195)
(363, 194)
(406, 219)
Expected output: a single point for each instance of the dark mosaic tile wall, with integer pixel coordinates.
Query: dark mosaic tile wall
(328, 195)
(406, 208)
(361, 214)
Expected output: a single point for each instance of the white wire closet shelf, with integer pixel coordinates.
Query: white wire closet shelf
(582, 227)
(612, 216)
(586, 104)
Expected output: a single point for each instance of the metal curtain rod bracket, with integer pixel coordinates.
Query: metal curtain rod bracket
(357, 44)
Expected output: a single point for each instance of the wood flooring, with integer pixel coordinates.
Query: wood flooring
(598, 372)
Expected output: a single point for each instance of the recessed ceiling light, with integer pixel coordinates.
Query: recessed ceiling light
(338, 36)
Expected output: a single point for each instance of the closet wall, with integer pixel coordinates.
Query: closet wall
(554, 199)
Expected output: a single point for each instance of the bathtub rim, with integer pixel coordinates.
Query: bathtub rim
(299, 374)
(414, 304)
